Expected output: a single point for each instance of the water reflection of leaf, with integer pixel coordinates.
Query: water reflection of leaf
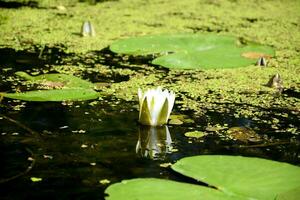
(154, 142)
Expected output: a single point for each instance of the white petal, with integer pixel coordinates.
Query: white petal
(171, 100)
(141, 96)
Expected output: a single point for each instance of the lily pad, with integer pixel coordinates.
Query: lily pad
(68, 81)
(194, 51)
(160, 189)
(252, 177)
(70, 88)
(231, 177)
(195, 134)
(55, 95)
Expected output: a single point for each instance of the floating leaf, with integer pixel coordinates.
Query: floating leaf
(234, 177)
(36, 179)
(252, 177)
(70, 88)
(195, 134)
(194, 51)
(69, 81)
(159, 189)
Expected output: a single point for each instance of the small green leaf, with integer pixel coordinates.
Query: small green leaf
(195, 134)
(35, 179)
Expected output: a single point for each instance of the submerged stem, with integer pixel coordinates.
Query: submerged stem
(28, 169)
(32, 132)
(264, 145)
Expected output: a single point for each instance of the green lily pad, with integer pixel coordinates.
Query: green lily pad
(77, 94)
(57, 87)
(253, 177)
(194, 51)
(36, 179)
(65, 80)
(160, 189)
(232, 177)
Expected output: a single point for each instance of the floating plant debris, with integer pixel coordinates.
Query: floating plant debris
(243, 134)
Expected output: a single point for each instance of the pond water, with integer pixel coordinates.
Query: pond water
(75, 146)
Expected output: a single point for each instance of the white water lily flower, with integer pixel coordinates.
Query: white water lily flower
(155, 106)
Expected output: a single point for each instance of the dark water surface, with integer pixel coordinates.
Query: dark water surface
(74, 146)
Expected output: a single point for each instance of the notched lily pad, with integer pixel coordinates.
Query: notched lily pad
(194, 51)
(56, 87)
(195, 134)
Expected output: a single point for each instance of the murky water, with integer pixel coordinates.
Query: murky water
(73, 146)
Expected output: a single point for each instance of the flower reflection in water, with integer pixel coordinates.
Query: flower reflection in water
(154, 142)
